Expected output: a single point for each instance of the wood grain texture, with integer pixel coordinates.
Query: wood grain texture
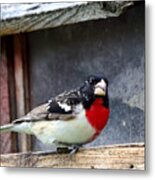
(20, 74)
(129, 156)
(5, 140)
(40, 17)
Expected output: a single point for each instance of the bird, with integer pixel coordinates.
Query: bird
(70, 119)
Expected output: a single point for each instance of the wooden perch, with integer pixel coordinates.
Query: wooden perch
(129, 156)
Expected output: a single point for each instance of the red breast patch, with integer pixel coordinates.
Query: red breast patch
(98, 115)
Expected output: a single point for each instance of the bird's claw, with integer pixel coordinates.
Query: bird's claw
(62, 150)
(74, 150)
(67, 150)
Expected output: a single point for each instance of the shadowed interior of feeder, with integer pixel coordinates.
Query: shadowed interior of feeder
(61, 58)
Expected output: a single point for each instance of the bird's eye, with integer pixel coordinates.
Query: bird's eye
(92, 80)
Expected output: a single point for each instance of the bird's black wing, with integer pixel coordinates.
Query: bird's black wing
(59, 108)
(64, 103)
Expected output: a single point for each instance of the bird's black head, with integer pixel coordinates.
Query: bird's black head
(94, 87)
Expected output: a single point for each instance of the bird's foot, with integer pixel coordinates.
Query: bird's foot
(75, 149)
(64, 150)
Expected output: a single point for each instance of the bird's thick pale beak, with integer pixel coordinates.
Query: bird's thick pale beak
(100, 88)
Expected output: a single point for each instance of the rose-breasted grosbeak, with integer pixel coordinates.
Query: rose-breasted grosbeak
(70, 119)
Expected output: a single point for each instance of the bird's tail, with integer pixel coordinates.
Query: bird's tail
(6, 128)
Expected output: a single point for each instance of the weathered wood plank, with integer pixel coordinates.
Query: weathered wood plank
(20, 86)
(111, 157)
(42, 15)
(5, 140)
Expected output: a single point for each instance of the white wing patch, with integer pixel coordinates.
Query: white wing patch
(65, 106)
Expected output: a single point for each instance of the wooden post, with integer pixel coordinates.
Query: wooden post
(5, 140)
(20, 86)
(129, 156)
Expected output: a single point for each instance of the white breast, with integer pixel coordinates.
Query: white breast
(71, 131)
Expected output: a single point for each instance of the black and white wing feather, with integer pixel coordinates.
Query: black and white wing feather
(65, 102)
(59, 108)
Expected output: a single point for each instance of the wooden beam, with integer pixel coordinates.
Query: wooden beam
(129, 156)
(5, 140)
(20, 87)
(31, 17)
